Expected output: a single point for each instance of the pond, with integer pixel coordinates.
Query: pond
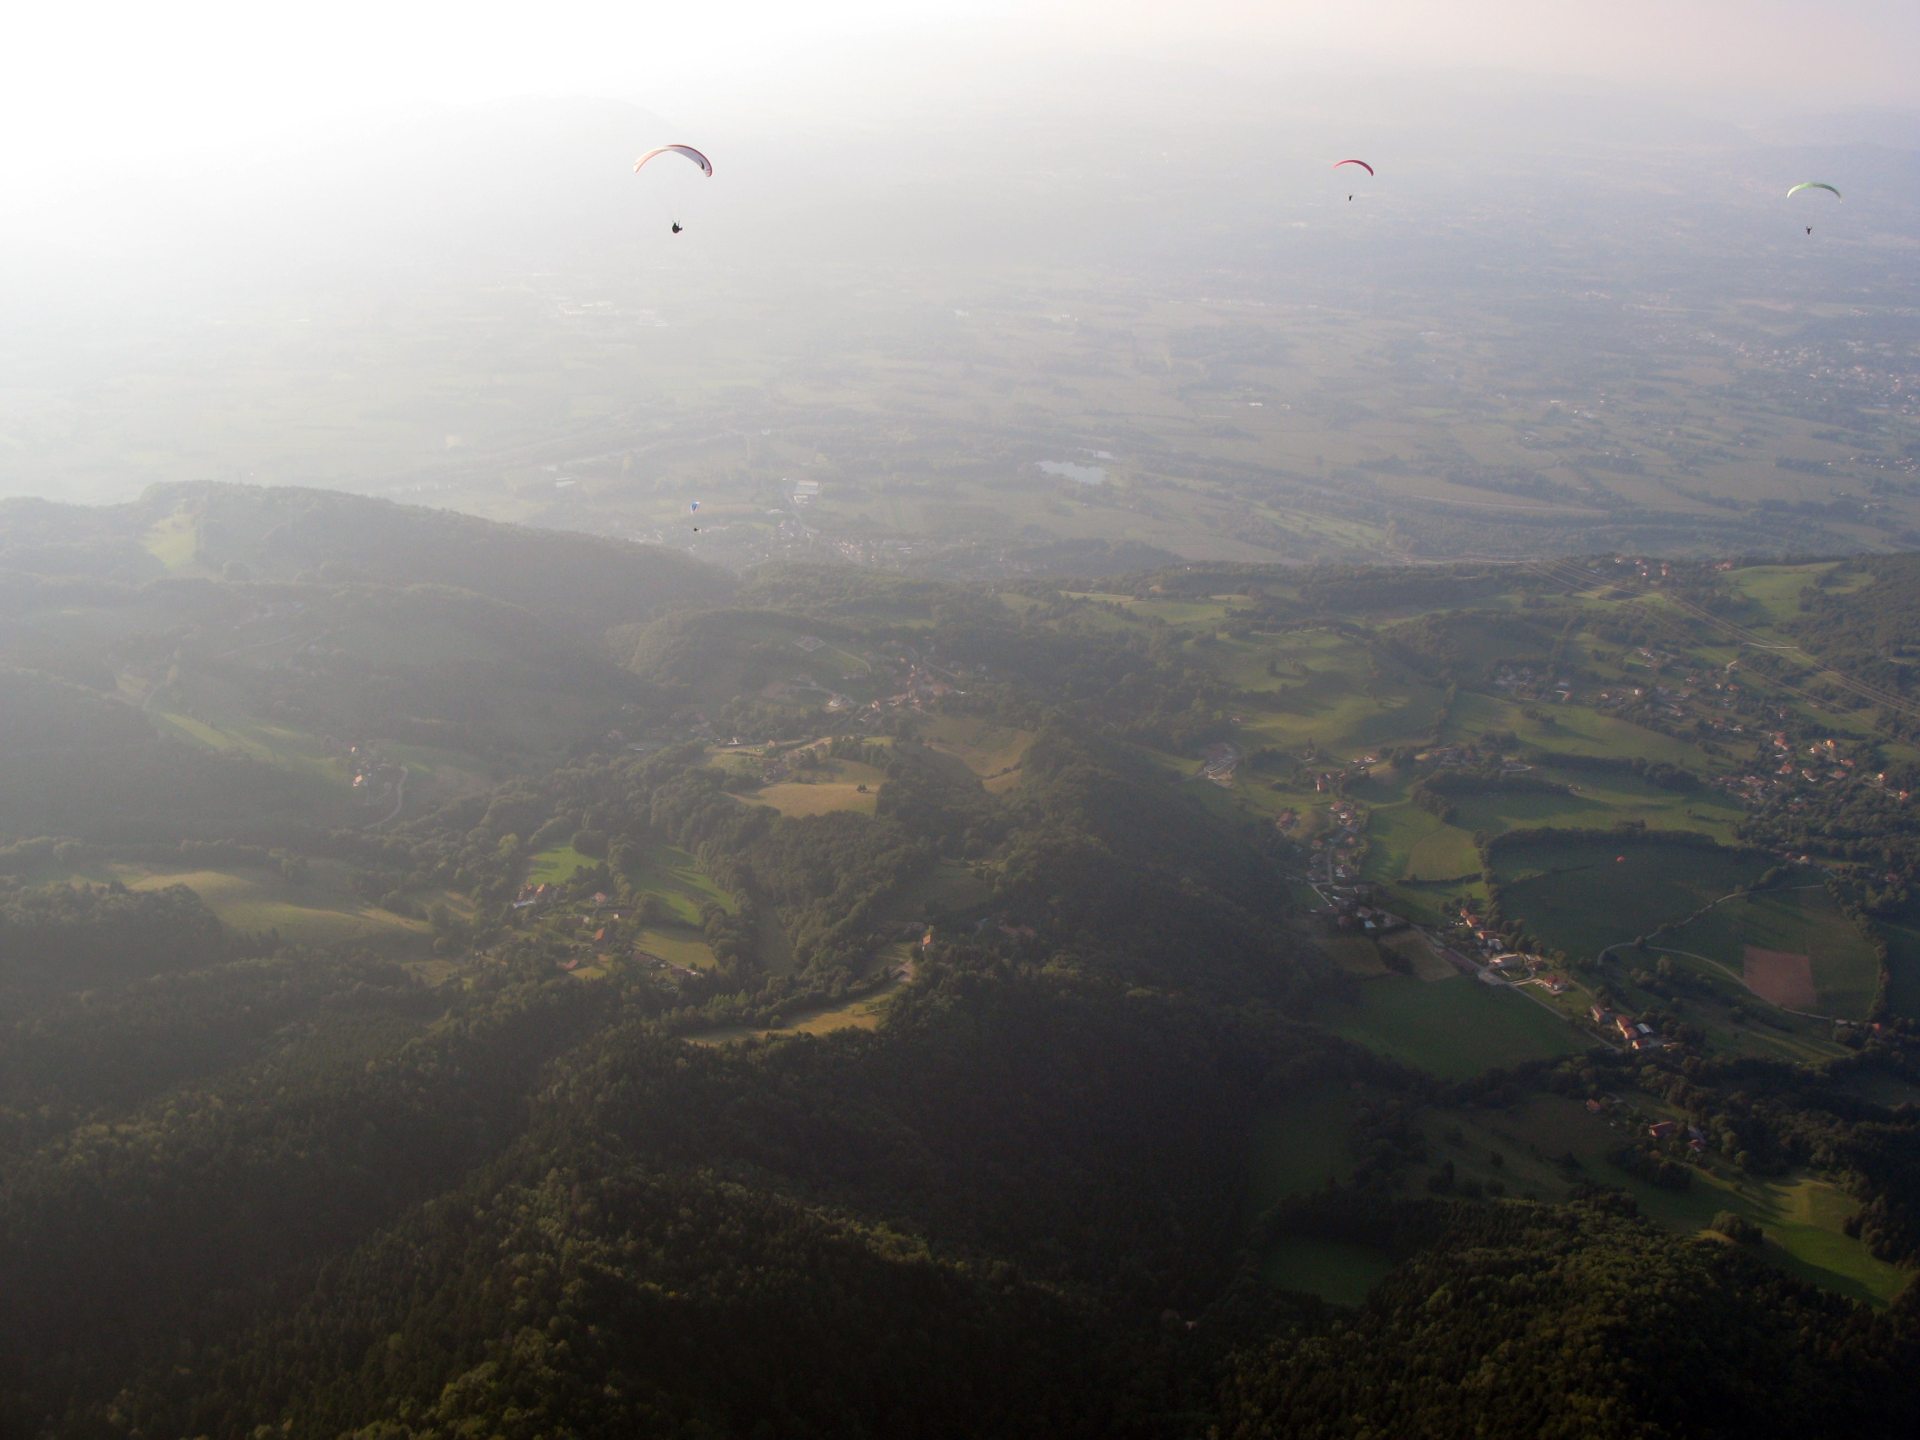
(1083, 474)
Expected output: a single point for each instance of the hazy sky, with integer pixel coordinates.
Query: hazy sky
(91, 85)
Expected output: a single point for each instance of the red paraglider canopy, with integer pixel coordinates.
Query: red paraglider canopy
(1361, 163)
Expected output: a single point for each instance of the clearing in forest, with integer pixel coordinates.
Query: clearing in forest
(992, 752)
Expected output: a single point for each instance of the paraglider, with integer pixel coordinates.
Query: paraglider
(1361, 163)
(706, 167)
(1813, 185)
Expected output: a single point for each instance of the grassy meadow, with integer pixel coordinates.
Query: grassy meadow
(1581, 896)
(1800, 920)
(1455, 1028)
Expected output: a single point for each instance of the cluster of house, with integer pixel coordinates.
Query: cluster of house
(1638, 1035)
(1341, 848)
(374, 779)
(655, 962)
(1219, 762)
(1520, 968)
(531, 895)
(1684, 699)
(1472, 935)
(1350, 913)
(922, 687)
(1523, 683)
(1782, 767)
(1327, 780)
(1659, 1129)
(601, 919)
(1644, 568)
(1456, 756)
(1667, 1129)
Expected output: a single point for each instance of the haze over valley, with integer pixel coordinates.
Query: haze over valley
(1551, 324)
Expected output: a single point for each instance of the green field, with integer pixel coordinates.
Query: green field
(666, 871)
(849, 785)
(1405, 842)
(1455, 1028)
(174, 541)
(992, 752)
(1356, 954)
(1774, 590)
(864, 1013)
(240, 734)
(1573, 730)
(1322, 692)
(1801, 920)
(1581, 896)
(318, 909)
(677, 945)
(1600, 802)
(676, 877)
(557, 865)
(1420, 955)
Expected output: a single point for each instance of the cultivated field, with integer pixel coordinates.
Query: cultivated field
(1778, 976)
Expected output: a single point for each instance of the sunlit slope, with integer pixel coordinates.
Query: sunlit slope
(285, 533)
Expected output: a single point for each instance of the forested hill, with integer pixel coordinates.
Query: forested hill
(284, 533)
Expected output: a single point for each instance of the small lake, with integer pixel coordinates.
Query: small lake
(1083, 474)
